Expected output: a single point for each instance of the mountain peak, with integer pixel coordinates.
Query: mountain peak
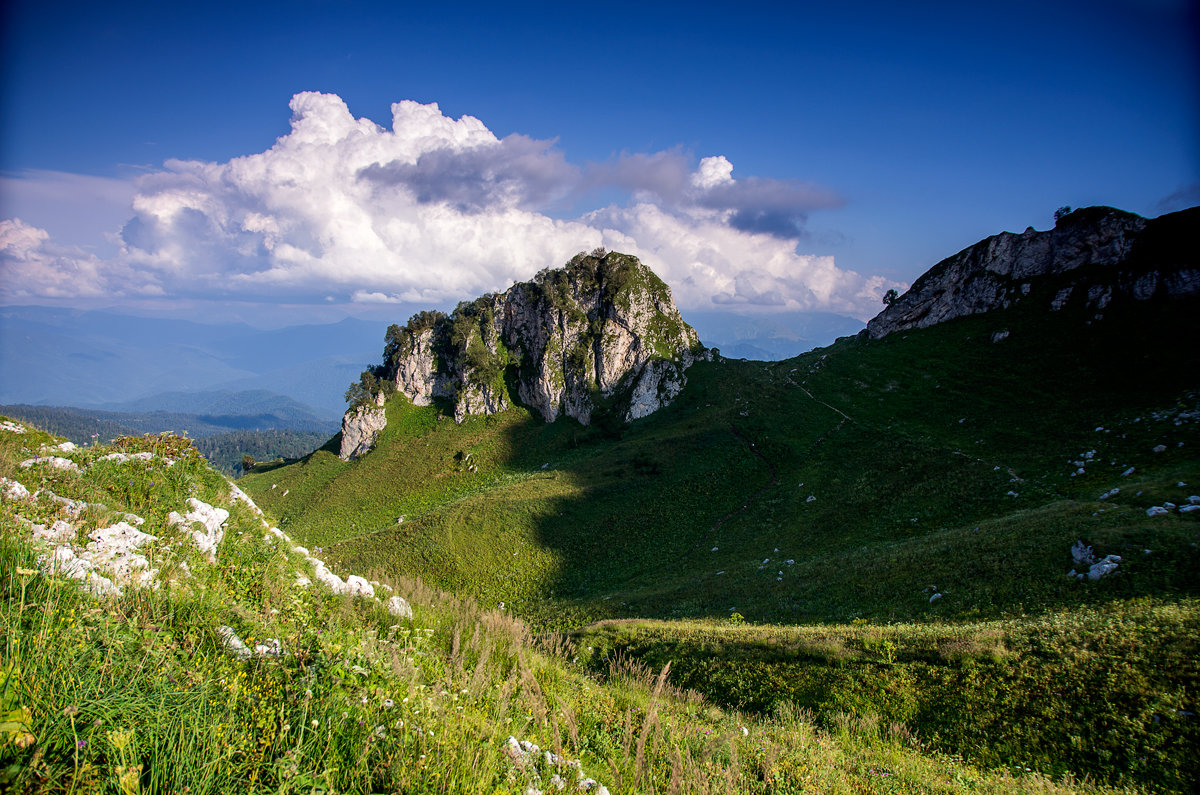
(601, 334)
(1097, 253)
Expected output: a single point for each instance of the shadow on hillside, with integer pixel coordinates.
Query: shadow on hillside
(893, 465)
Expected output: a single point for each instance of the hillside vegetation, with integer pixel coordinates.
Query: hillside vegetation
(266, 436)
(144, 689)
(937, 478)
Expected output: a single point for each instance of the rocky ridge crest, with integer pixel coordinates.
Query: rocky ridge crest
(1097, 253)
(601, 334)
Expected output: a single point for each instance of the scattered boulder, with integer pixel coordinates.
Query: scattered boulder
(399, 607)
(360, 426)
(1082, 554)
(357, 586)
(210, 518)
(61, 532)
(233, 644)
(12, 490)
(1104, 567)
(57, 462)
(121, 458)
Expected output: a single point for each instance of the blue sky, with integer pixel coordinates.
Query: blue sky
(763, 157)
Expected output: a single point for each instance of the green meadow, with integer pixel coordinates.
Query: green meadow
(844, 572)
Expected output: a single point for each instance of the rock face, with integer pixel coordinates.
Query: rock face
(1097, 254)
(360, 426)
(601, 333)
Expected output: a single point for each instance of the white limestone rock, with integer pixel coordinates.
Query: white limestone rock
(357, 586)
(399, 607)
(1104, 567)
(237, 495)
(1091, 245)
(604, 323)
(121, 458)
(210, 518)
(61, 532)
(360, 426)
(233, 644)
(54, 461)
(13, 490)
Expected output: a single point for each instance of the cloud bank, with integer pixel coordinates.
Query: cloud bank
(436, 210)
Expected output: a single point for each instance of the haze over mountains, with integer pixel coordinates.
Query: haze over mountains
(133, 363)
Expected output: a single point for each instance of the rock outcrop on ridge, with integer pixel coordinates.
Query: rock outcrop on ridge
(1094, 255)
(602, 333)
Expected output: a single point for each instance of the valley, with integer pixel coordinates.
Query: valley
(937, 557)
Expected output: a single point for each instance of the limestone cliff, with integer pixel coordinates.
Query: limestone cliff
(602, 333)
(360, 425)
(1092, 255)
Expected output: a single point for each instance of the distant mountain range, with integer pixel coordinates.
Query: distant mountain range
(111, 361)
(100, 359)
(197, 414)
(770, 337)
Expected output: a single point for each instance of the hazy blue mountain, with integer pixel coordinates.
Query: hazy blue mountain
(71, 357)
(222, 402)
(771, 337)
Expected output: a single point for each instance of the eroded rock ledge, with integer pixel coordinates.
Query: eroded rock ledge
(600, 334)
(1096, 254)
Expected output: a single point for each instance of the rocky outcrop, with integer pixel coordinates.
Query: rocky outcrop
(601, 333)
(1098, 254)
(360, 426)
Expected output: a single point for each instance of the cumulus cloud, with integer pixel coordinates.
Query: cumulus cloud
(755, 204)
(434, 210)
(709, 263)
(32, 266)
(514, 172)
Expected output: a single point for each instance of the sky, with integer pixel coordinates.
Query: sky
(292, 162)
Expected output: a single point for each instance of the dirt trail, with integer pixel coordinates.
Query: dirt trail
(774, 479)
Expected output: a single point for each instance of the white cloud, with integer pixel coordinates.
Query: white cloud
(709, 263)
(436, 210)
(33, 267)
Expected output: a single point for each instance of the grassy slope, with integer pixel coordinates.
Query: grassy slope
(135, 693)
(911, 447)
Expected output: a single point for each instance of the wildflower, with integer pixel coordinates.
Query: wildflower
(316, 723)
(388, 703)
(70, 711)
(80, 744)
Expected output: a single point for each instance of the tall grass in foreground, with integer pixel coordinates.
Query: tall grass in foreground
(136, 693)
(1109, 692)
